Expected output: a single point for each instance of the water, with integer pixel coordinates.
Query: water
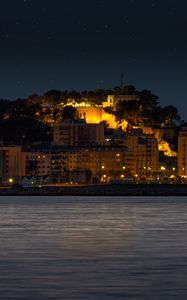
(93, 248)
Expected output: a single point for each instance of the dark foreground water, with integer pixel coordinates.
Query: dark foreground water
(93, 248)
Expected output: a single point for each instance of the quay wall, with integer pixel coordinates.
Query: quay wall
(102, 190)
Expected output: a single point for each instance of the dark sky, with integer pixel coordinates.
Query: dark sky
(86, 44)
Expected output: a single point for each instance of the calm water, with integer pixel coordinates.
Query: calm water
(93, 248)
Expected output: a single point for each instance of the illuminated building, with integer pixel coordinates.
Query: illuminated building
(37, 164)
(112, 100)
(161, 134)
(12, 162)
(78, 133)
(143, 151)
(182, 153)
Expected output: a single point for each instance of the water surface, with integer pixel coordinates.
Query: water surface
(93, 248)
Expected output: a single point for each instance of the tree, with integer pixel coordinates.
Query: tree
(13, 130)
(116, 90)
(69, 113)
(55, 97)
(170, 115)
(33, 99)
(147, 100)
(57, 115)
(95, 98)
(4, 108)
(161, 116)
(129, 111)
(129, 90)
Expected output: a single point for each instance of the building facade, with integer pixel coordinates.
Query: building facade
(182, 154)
(12, 162)
(78, 133)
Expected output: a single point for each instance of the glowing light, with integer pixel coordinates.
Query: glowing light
(10, 180)
(172, 177)
(162, 168)
(164, 146)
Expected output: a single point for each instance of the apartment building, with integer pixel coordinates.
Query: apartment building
(143, 154)
(12, 162)
(182, 153)
(78, 133)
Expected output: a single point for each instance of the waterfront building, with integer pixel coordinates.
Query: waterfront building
(12, 163)
(143, 154)
(37, 164)
(3, 169)
(75, 154)
(182, 153)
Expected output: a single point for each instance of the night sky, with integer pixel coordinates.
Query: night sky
(86, 44)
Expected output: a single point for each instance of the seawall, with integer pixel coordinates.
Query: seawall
(102, 190)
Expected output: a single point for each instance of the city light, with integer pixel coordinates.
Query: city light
(162, 168)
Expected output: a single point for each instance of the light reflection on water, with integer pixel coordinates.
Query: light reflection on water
(93, 248)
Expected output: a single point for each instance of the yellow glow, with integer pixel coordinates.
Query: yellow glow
(10, 180)
(96, 115)
(162, 168)
(164, 146)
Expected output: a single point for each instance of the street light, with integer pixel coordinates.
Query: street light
(162, 168)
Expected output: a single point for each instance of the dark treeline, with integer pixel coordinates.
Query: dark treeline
(31, 119)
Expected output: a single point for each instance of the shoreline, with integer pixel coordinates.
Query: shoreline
(101, 190)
